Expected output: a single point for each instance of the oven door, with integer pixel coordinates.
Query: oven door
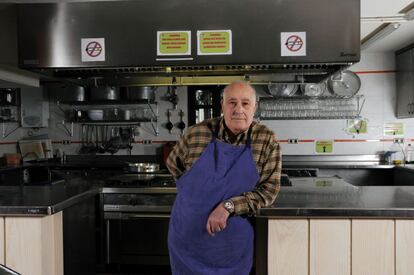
(137, 238)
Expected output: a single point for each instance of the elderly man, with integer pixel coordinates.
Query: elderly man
(226, 169)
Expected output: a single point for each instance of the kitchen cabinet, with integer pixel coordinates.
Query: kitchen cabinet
(405, 84)
(340, 246)
(62, 243)
(1, 240)
(33, 245)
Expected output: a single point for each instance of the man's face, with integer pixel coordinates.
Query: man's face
(238, 106)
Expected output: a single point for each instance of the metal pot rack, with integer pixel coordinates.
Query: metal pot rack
(153, 120)
(301, 108)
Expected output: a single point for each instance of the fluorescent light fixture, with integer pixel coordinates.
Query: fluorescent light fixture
(380, 34)
(409, 15)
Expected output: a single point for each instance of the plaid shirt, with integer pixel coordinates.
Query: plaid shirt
(266, 154)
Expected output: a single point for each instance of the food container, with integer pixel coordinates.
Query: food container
(12, 159)
(95, 114)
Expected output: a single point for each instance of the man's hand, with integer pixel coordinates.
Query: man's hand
(217, 220)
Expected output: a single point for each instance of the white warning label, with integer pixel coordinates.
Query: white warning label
(293, 43)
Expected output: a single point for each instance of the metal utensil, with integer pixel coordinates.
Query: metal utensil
(143, 167)
(280, 89)
(344, 84)
(181, 124)
(141, 93)
(169, 124)
(105, 93)
(313, 89)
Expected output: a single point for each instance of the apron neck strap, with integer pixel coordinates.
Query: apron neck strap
(249, 133)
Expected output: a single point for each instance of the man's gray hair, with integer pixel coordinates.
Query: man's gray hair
(239, 83)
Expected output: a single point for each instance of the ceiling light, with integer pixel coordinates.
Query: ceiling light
(366, 43)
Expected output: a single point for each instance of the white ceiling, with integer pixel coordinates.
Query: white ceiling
(400, 38)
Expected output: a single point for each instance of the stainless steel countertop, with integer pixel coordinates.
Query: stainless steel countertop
(333, 197)
(308, 197)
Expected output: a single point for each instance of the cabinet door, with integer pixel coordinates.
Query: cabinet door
(373, 247)
(404, 246)
(34, 245)
(1, 240)
(405, 85)
(288, 249)
(330, 247)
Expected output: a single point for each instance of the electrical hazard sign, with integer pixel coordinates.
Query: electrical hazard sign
(93, 49)
(293, 43)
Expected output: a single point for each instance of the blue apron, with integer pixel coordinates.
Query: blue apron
(222, 171)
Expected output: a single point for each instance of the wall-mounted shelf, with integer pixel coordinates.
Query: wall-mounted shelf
(114, 113)
(310, 108)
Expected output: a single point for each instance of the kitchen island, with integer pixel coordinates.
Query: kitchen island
(323, 226)
(319, 225)
(43, 228)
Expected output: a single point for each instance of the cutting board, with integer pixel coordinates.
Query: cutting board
(31, 150)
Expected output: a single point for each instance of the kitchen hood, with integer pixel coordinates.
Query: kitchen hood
(190, 42)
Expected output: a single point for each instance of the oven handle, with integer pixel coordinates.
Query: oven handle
(139, 216)
(131, 216)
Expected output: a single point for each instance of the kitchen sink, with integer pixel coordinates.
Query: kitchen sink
(373, 176)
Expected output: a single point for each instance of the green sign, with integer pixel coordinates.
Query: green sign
(393, 129)
(357, 126)
(323, 183)
(174, 43)
(324, 146)
(214, 42)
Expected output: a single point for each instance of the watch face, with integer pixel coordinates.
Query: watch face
(229, 206)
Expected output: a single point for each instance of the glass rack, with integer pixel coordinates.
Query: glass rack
(305, 108)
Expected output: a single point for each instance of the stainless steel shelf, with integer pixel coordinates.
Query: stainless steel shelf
(310, 108)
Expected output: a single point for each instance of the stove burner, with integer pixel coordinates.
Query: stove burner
(141, 180)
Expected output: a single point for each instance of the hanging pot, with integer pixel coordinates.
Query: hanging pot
(105, 93)
(344, 84)
(141, 93)
(73, 93)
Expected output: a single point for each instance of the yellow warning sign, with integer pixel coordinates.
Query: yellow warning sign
(394, 129)
(357, 126)
(174, 43)
(214, 42)
(324, 146)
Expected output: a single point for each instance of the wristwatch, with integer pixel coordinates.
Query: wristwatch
(229, 206)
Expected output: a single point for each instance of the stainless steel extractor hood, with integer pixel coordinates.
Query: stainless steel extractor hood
(264, 40)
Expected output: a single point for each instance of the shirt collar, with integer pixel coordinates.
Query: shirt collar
(225, 134)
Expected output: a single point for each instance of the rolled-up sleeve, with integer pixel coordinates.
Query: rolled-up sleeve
(266, 189)
(176, 159)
